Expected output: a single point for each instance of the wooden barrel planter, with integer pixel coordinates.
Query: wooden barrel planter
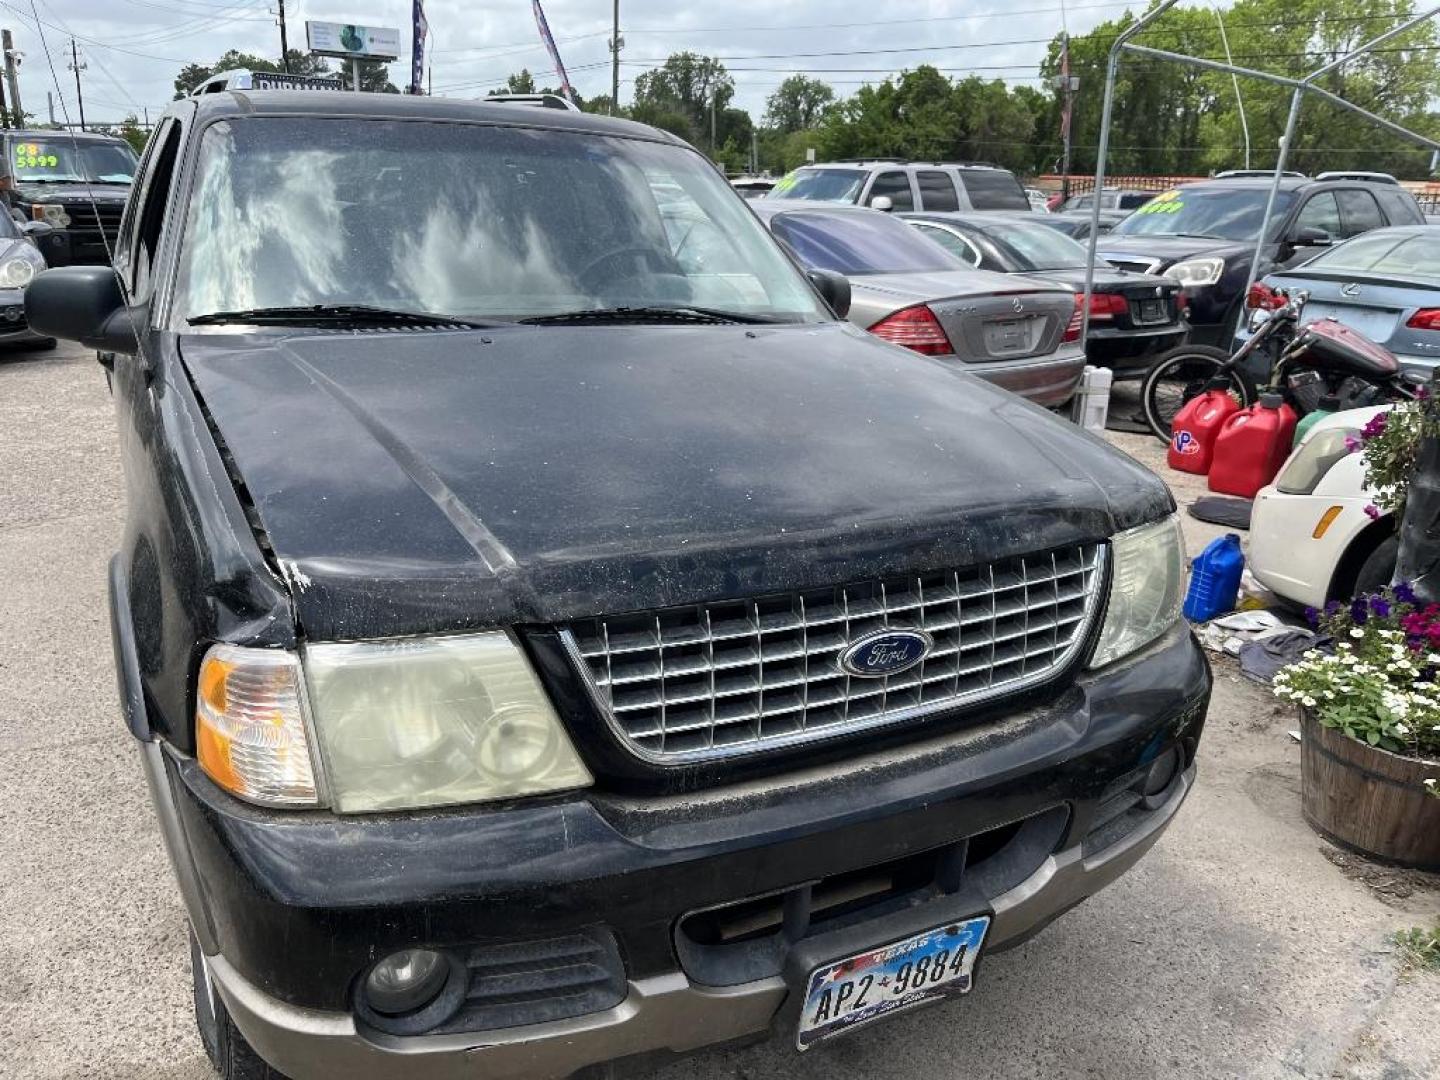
(1369, 800)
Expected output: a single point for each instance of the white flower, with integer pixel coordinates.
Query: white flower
(1308, 701)
(1431, 782)
(1329, 695)
(1401, 729)
(1356, 632)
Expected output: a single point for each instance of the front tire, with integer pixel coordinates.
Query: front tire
(1181, 374)
(232, 1057)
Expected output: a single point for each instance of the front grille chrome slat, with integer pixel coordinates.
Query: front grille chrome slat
(749, 675)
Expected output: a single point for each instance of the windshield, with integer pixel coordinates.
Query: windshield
(1039, 248)
(473, 221)
(1227, 213)
(857, 242)
(61, 160)
(1382, 254)
(820, 185)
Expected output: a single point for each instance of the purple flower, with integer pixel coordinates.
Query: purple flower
(1379, 607)
(1359, 611)
(1375, 426)
(1312, 616)
(1352, 444)
(1404, 592)
(1372, 512)
(1332, 608)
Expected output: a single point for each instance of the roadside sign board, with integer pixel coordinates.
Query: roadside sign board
(349, 39)
(279, 80)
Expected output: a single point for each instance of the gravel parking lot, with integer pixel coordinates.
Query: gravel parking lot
(1242, 946)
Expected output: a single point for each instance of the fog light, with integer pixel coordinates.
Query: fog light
(406, 981)
(1158, 778)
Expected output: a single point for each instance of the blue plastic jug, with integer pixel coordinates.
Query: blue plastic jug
(1215, 579)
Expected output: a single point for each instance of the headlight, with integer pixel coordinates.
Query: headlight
(16, 273)
(1317, 455)
(1197, 271)
(53, 213)
(435, 721)
(1145, 589)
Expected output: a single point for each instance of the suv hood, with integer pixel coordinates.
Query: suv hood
(71, 190)
(425, 481)
(1169, 249)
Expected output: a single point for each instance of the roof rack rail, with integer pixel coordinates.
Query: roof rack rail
(1359, 174)
(1249, 174)
(867, 160)
(541, 101)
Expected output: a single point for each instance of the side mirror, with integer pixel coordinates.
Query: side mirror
(1309, 237)
(834, 288)
(883, 203)
(36, 229)
(81, 303)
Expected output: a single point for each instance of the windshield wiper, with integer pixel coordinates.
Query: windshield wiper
(1188, 235)
(681, 314)
(335, 314)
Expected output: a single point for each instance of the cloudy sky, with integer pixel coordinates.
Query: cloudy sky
(132, 49)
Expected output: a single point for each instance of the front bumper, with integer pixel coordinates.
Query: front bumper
(665, 1014)
(292, 908)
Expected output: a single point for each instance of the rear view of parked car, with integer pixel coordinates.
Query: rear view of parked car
(1133, 316)
(1384, 284)
(1014, 331)
(905, 185)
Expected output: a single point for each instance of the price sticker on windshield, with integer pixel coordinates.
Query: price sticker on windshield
(1167, 202)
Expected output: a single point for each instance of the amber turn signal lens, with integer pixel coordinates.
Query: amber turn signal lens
(1326, 520)
(250, 728)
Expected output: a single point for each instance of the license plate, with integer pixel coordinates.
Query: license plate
(850, 992)
(1153, 311)
(1012, 335)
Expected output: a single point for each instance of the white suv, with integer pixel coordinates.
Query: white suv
(905, 185)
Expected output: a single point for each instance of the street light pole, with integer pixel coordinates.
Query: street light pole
(77, 65)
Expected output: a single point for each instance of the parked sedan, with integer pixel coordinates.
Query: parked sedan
(1133, 317)
(1016, 332)
(1385, 284)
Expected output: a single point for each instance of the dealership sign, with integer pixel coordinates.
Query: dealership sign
(347, 39)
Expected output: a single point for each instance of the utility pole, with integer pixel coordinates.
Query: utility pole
(284, 42)
(616, 44)
(12, 61)
(1066, 84)
(50, 106)
(77, 65)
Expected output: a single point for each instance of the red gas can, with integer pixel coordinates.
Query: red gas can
(1196, 427)
(1252, 446)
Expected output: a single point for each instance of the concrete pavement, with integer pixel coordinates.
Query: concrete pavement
(1235, 949)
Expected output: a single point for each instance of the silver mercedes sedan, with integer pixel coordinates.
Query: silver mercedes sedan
(1016, 332)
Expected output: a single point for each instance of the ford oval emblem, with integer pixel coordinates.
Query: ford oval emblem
(885, 652)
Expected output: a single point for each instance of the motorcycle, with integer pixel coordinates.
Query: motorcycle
(1308, 362)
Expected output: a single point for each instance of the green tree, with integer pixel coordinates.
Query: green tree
(523, 82)
(687, 85)
(797, 103)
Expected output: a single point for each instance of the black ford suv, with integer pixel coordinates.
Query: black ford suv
(1203, 235)
(548, 646)
(77, 183)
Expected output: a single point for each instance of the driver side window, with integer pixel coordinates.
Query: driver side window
(1322, 213)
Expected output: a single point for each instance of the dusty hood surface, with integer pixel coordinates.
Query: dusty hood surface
(411, 482)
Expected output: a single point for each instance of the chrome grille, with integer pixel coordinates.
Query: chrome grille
(741, 676)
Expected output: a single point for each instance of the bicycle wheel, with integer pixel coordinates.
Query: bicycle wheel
(1181, 374)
